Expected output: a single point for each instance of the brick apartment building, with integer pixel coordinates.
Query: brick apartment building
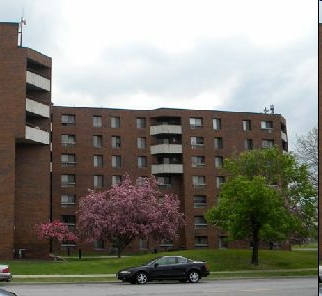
(25, 102)
(95, 147)
(184, 149)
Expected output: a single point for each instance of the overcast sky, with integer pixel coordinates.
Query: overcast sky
(197, 54)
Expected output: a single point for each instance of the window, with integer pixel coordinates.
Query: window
(141, 143)
(142, 161)
(99, 244)
(140, 180)
(143, 244)
(216, 123)
(198, 161)
(68, 140)
(116, 161)
(267, 143)
(218, 143)
(68, 199)
(248, 144)
(98, 161)
(141, 122)
(116, 179)
(199, 181)
(115, 122)
(220, 180)
(199, 201)
(68, 119)
(68, 160)
(163, 160)
(219, 161)
(164, 181)
(266, 124)
(195, 122)
(68, 180)
(97, 141)
(201, 241)
(98, 181)
(200, 222)
(70, 220)
(197, 142)
(163, 141)
(246, 125)
(116, 141)
(97, 121)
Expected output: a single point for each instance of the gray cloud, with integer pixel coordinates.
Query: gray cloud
(239, 74)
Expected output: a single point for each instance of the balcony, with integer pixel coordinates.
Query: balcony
(165, 129)
(34, 134)
(167, 169)
(166, 148)
(284, 136)
(37, 81)
(37, 109)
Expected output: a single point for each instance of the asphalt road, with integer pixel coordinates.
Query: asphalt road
(242, 287)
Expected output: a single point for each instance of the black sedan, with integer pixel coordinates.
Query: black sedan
(165, 268)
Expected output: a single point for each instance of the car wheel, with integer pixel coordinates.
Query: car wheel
(141, 278)
(193, 276)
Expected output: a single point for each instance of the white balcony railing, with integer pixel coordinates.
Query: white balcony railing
(38, 81)
(167, 169)
(165, 129)
(37, 135)
(166, 148)
(284, 136)
(34, 107)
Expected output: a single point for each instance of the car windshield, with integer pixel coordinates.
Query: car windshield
(152, 261)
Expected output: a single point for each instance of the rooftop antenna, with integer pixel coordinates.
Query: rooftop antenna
(21, 23)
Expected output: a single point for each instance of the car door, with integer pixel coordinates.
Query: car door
(164, 268)
(179, 268)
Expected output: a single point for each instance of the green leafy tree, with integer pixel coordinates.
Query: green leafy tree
(267, 196)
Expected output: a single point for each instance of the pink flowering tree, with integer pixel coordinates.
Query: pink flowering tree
(54, 230)
(127, 212)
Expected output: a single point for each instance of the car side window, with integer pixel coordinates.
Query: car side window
(162, 261)
(172, 260)
(167, 260)
(182, 260)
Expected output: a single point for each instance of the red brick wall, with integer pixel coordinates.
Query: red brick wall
(9, 65)
(32, 200)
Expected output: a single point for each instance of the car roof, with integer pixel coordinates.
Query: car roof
(172, 256)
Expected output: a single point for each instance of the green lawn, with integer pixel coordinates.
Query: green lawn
(222, 260)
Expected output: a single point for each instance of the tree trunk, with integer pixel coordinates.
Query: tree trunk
(119, 247)
(255, 247)
(119, 251)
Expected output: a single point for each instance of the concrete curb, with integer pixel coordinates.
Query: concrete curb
(36, 276)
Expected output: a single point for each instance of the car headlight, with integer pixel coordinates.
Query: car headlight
(125, 272)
